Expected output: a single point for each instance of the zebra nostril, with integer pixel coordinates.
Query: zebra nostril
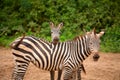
(96, 57)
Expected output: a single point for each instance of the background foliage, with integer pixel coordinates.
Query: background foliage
(32, 17)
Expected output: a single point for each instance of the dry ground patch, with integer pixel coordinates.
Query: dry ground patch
(107, 68)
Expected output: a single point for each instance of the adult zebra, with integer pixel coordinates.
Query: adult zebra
(55, 35)
(66, 56)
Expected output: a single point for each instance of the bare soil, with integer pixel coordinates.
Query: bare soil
(106, 68)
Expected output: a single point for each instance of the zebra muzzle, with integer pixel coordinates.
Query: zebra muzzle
(55, 40)
(96, 57)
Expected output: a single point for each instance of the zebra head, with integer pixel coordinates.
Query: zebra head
(94, 43)
(55, 32)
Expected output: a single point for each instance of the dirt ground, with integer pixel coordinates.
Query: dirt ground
(107, 68)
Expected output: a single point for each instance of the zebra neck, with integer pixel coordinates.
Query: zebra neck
(83, 48)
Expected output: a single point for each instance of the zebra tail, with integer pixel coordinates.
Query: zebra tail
(17, 44)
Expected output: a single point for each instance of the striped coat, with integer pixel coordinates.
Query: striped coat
(64, 55)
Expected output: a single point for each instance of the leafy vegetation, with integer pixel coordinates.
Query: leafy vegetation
(32, 17)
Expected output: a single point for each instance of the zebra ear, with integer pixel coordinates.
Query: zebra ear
(51, 25)
(60, 25)
(88, 32)
(94, 30)
(100, 34)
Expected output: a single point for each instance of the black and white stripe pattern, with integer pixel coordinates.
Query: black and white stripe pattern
(55, 36)
(64, 55)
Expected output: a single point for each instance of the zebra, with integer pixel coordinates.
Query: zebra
(55, 35)
(66, 56)
(55, 32)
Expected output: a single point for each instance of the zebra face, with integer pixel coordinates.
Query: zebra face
(55, 32)
(94, 41)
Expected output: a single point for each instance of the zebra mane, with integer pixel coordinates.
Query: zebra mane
(78, 37)
(75, 38)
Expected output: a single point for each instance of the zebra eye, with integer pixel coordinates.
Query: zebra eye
(90, 43)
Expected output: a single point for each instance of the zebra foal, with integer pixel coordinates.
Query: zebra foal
(66, 56)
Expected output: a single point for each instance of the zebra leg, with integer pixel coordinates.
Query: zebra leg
(67, 75)
(79, 73)
(19, 70)
(74, 75)
(59, 74)
(52, 74)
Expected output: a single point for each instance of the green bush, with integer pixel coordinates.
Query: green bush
(32, 17)
(111, 40)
